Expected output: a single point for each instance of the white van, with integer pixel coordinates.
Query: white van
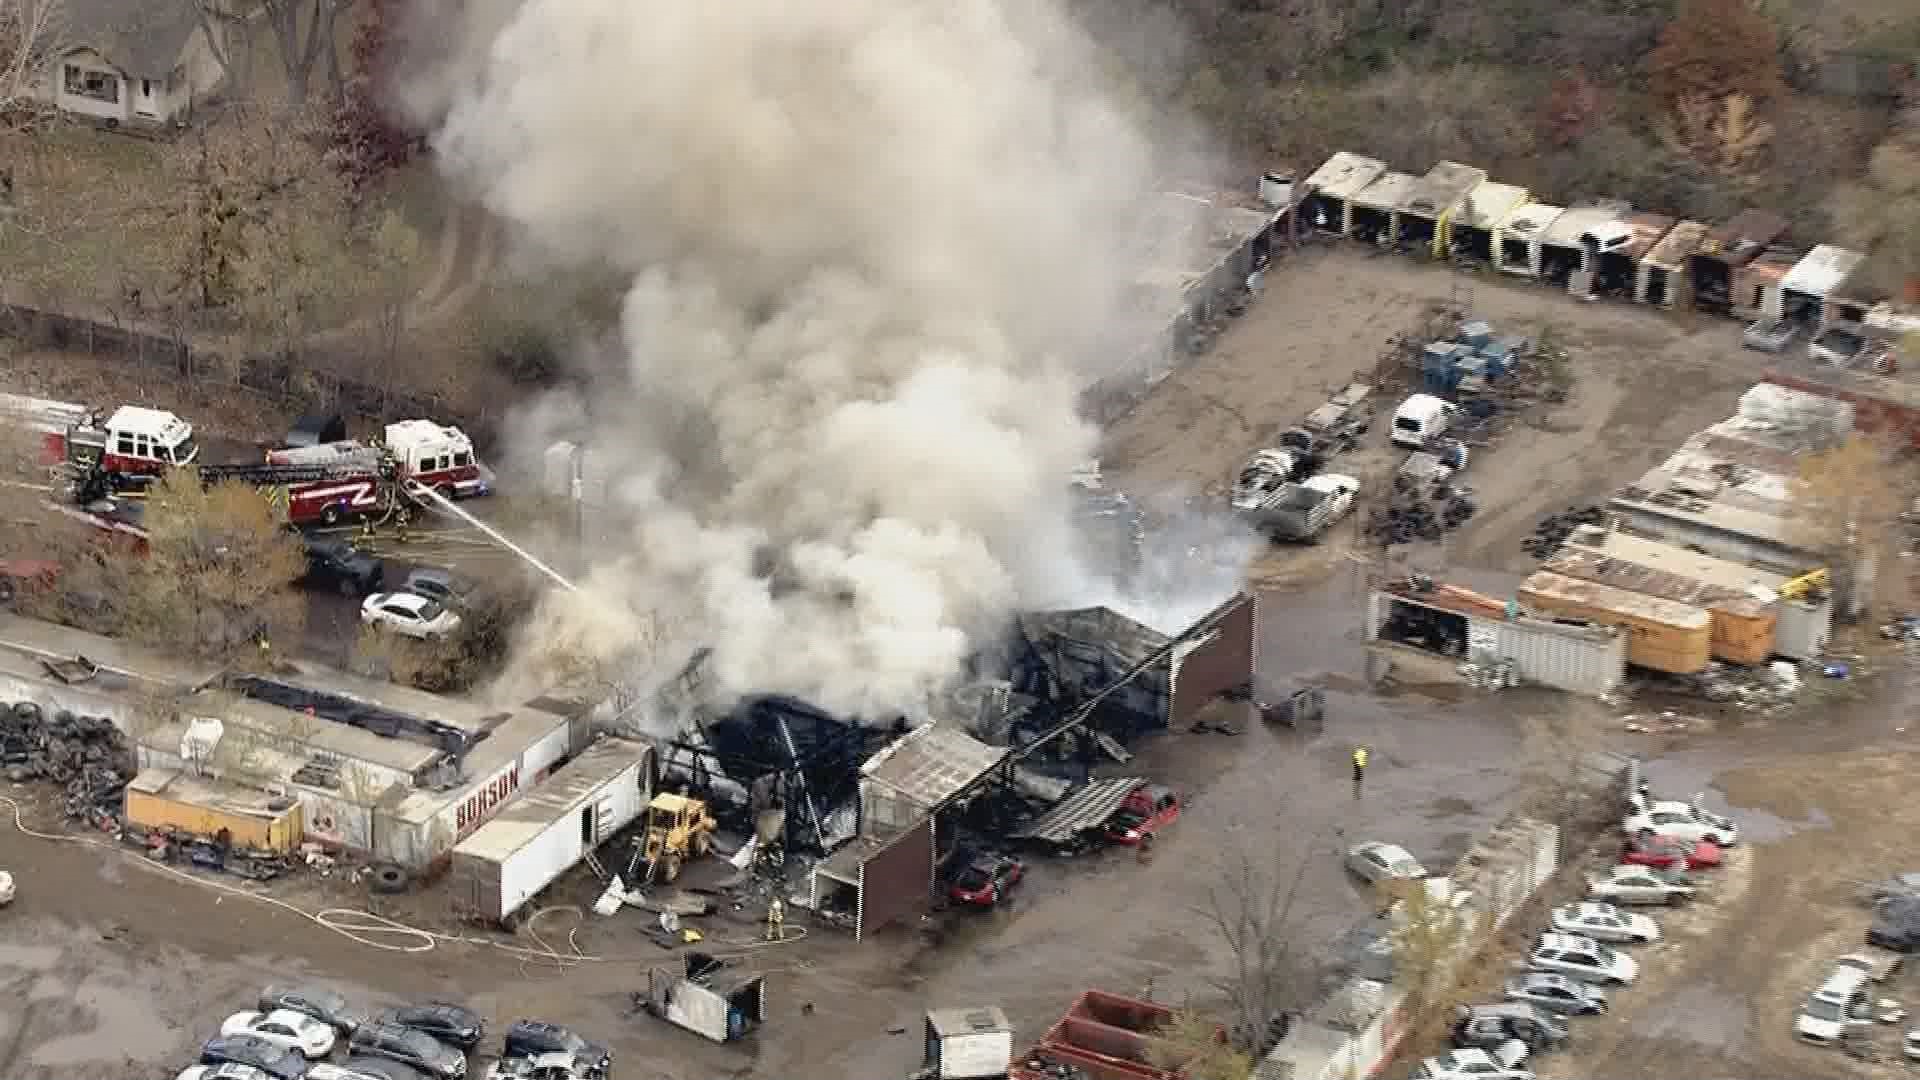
(1838, 1004)
(1420, 418)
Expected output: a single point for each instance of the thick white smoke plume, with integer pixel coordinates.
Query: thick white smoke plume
(874, 247)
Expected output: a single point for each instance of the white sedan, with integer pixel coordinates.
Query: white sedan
(1470, 1064)
(1374, 862)
(6, 888)
(1682, 821)
(1604, 922)
(406, 613)
(286, 1029)
(1640, 885)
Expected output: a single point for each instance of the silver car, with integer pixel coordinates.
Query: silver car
(1374, 862)
(1582, 958)
(1641, 885)
(1557, 994)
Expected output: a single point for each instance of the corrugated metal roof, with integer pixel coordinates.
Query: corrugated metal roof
(1745, 237)
(1444, 187)
(1648, 231)
(1566, 229)
(1531, 220)
(1546, 583)
(1387, 192)
(1823, 272)
(1770, 267)
(930, 763)
(1343, 174)
(1085, 808)
(204, 791)
(1667, 584)
(1681, 241)
(556, 798)
(1490, 204)
(1664, 556)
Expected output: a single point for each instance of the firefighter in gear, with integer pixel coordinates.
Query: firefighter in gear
(1359, 768)
(776, 920)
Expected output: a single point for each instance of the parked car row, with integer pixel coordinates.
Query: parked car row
(292, 1032)
(1578, 959)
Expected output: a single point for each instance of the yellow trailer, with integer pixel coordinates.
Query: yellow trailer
(171, 799)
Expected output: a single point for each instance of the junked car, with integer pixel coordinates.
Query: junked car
(267, 1056)
(284, 1028)
(1374, 862)
(531, 1038)
(455, 1025)
(1669, 852)
(1641, 885)
(326, 1006)
(1604, 922)
(1896, 924)
(1489, 1027)
(360, 1070)
(1556, 994)
(225, 1071)
(6, 888)
(409, 1047)
(1682, 821)
(1834, 1007)
(1475, 1064)
(1582, 958)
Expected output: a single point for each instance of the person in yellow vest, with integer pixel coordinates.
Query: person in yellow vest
(776, 920)
(1359, 768)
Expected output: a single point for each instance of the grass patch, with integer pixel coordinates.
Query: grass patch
(89, 220)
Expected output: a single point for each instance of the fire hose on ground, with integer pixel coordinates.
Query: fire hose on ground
(379, 932)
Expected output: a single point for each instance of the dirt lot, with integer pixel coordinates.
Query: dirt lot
(96, 937)
(1644, 380)
(120, 971)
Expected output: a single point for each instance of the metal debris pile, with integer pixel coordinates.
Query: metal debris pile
(1553, 530)
(86, 754)
(1767, 689)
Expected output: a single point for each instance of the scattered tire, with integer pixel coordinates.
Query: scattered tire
(388, 879)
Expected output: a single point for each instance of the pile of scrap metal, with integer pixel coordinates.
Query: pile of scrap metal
(217, 853)
(1425, 504)
(86, 754)
(767, 751)
(1553, 530)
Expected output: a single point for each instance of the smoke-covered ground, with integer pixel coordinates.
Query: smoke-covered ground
(875, 249)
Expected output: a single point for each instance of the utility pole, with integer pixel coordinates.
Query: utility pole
(577, 488)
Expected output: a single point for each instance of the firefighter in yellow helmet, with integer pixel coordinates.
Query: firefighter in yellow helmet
(1359, 768)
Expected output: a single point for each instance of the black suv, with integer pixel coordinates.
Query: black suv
(531, 1038)
(1896, 924)
(336, 565)
(1489, 1026)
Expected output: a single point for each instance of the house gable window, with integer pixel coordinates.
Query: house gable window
(98, 85)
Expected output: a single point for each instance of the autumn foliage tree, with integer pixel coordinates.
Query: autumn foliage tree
(369, 139)
(1715, 73)
(215, 580)
(1714, 48)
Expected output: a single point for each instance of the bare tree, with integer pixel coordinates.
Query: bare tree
(303, 32)
(1253, 909)
(1559, 748)
(31, 31)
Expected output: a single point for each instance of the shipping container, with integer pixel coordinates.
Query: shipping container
(1663, 635)
(1741, 623)
(545, 832)
(160, 799)
(968, 1044)
(1575, 658)
(708, 996)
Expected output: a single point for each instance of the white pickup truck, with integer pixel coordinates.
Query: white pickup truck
(1304, 510)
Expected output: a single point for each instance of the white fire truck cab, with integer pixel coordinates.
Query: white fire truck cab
(135, 443)
(438, 456)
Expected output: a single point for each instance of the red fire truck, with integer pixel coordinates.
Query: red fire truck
(414, 451)
(133, 444)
